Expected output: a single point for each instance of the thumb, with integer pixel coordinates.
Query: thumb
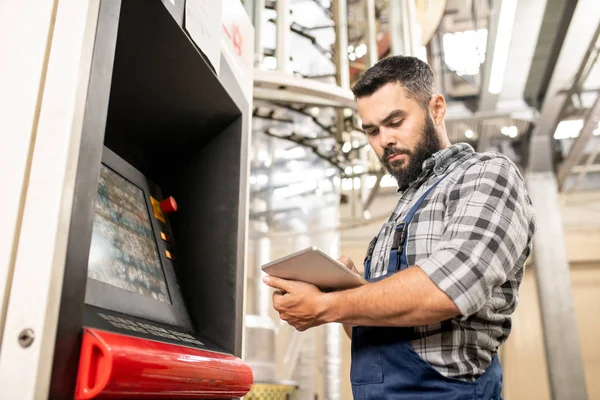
(278, 283)
(347, 261)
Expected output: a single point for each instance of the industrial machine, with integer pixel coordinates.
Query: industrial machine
(151, 303)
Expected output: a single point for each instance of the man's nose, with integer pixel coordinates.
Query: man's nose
(386, 137)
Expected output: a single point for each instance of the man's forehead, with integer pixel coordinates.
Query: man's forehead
(389, 97)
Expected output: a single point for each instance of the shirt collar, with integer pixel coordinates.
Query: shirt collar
(442, 161)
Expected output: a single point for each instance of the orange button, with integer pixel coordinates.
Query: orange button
(166, 237)
(169, 255)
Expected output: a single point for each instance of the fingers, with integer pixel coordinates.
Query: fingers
(278, 283)
(277, 295)
(347, 261)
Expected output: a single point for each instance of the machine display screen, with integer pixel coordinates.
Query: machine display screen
(123, 251)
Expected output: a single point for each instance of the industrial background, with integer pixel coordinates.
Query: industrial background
(242, 110)
(520, 78)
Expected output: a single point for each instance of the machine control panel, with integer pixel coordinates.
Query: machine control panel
(109, 320)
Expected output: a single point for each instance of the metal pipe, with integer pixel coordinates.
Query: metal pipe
(372, 53)
(283, 22)
(340, 19)
(395, 27)
(258, 9)
(412, 29)
(333, 361)
(262, 294)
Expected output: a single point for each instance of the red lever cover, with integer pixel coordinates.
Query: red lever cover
(118, 366)
(168, 205)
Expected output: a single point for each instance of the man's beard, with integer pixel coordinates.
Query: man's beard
(407, 172)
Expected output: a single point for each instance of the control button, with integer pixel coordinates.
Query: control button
(157, 212)
(169, 255)
(168, 205)
(166, 237)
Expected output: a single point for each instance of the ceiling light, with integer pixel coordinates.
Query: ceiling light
(347, 147)
(361, 50)
(269, 62)
(568, 129)
(502, 45)
(469, 133)
(358, 169)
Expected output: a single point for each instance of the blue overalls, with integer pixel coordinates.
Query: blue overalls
(384, 364)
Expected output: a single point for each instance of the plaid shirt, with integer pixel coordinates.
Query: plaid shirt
(471, 236)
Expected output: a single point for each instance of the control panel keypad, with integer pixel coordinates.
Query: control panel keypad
(140, 327)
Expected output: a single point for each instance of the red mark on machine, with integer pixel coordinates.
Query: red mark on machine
(236, 37)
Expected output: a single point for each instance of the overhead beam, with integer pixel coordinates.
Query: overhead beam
(576, 46)
(282, 87)
(523, 39)
(552, 33)
(580, 143)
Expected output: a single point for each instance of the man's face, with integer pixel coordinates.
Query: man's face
(402, 134)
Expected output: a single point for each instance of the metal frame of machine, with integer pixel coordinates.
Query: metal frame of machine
(116, 74)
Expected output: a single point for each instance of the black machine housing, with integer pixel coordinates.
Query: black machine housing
(156, 106)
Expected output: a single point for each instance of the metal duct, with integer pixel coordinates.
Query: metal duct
(333, 361)
(332, 332)
(260, 329)
(306, 370)
(262, 299)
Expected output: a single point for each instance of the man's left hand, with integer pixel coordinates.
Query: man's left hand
(300, 304)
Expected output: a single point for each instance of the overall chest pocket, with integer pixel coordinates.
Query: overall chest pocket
(367, 362)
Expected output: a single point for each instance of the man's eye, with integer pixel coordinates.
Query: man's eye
(397, 123)
(373, 132)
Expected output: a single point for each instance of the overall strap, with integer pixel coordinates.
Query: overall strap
(398, 260)
(369, 257)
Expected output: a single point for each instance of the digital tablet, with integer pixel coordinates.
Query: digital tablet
(314, 266)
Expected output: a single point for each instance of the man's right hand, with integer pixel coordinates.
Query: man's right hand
(347, 261)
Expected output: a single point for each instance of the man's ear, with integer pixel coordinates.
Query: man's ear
(437, 107)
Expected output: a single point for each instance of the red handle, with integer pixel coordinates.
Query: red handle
(95, 365)
(114, 366)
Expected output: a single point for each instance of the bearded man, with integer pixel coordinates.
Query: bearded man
(444, 270)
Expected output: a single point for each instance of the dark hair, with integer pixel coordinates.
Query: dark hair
(413, 74)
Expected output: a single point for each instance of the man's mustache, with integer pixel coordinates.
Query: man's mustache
(389, 152)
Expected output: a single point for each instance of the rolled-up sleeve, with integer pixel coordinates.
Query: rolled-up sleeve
(487, 234)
